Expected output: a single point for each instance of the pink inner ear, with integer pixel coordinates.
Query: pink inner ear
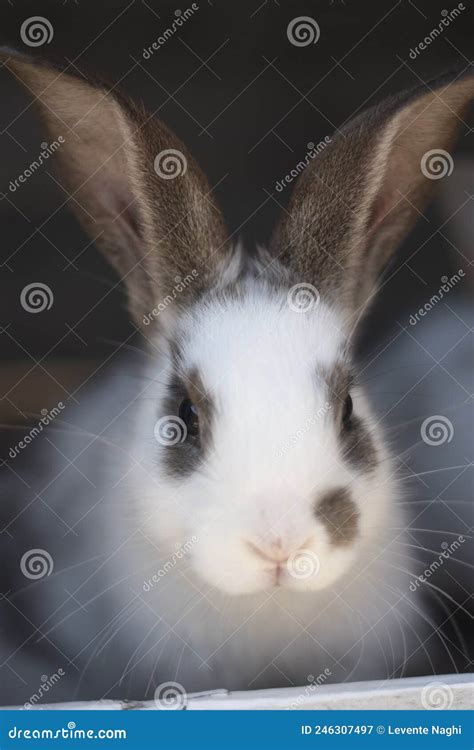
(399, 181)
(379, 211)
(384, 205)
(128, 211)
(116, 203)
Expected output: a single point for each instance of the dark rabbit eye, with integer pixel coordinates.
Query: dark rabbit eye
(348, 406)
(189, 414)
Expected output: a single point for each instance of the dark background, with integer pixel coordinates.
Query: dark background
(244, 100)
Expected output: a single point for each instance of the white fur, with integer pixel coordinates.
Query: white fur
(275, 452)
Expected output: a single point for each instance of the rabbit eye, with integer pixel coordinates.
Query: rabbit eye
(188, 412)
(348, 407)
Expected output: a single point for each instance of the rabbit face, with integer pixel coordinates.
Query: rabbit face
(271, 474)
(269, 468)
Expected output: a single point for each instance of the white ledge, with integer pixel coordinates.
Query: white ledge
(454, 691)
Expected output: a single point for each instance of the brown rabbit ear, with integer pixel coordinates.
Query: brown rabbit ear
(133, 185)
(354, 203)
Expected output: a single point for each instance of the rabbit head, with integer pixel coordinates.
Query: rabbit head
(260, 452)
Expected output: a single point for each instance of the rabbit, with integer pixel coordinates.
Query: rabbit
(222, 508)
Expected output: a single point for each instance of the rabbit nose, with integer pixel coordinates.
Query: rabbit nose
(274, 550)
(271, 551)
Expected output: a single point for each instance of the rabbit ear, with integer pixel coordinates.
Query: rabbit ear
(133, 186)
(354, 202)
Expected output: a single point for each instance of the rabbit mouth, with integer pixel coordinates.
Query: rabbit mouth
(305, 570)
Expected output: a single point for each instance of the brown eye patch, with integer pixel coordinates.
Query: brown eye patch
(183, 458)
(338, 381)
(357, 446)
(203, 402)
(339, 514)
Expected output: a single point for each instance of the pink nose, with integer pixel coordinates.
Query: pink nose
(272, 550)
(275, 550)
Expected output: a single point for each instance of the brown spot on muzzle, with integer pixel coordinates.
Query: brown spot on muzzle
(338, 512)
